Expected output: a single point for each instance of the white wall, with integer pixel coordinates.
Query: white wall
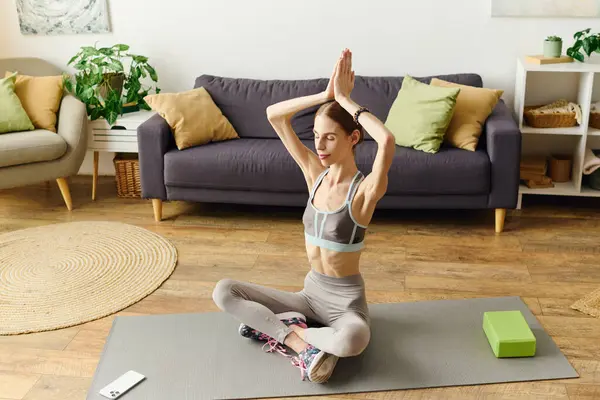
(279, 39)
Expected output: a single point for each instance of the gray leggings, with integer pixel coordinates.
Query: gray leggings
(339, 304)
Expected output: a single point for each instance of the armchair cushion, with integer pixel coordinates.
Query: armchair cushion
(13, 117)
(41, 97)
(18, 148)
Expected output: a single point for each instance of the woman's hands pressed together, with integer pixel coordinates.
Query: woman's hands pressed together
(343, 81)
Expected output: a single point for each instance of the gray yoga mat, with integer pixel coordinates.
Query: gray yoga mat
(413, 345)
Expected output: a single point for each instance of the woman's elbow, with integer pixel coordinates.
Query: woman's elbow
(270, 113)
(388, 141)
(273, 115)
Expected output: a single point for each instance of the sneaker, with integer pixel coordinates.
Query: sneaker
(288, 318)
(315, 364)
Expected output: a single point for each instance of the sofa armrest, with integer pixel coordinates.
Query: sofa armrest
(503, 142)
(154, 140)
(72, 126)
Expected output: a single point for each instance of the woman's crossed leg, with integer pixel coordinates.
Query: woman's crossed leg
(269, 314)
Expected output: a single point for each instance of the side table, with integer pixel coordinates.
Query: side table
(120, 138)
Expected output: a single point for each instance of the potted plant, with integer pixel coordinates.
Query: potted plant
(553, 46)
(590, 43)
(109, 81)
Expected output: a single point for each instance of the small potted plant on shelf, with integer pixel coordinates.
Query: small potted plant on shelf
(109, 81)
(586, 41)
(553, 46)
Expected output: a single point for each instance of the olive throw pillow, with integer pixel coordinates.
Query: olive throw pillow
(420, 115)
(13, 117)
(41, 97)
(193, 116)
(473, 106)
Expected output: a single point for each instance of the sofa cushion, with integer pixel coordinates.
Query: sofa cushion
(244, 101)
(473, 107)
(242, 164)
(265, 165)
(421, 114)
(30, 146)
(378, 93)
(447, 172)
(193, 117)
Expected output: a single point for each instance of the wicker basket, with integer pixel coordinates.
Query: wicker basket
(127, 173)
(595, 120)
(559, 120)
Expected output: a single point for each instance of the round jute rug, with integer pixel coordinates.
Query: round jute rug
(65, 274)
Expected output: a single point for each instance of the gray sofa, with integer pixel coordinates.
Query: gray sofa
(256, 169)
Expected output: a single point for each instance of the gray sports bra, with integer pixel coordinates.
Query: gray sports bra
(335, 230)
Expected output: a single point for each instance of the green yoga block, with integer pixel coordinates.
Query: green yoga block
(509, 334)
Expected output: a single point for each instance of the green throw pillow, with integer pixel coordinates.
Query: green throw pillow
(13, 117)
(421, 114)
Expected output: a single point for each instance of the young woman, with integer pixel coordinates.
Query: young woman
(340, 206)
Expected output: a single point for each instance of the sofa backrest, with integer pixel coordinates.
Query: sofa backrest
(244, 101)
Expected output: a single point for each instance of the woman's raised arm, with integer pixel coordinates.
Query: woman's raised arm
(280, 116)
(375, 184)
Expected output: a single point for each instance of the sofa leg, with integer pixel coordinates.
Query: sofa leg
(500, 215)
(63, 185)
(157, 206)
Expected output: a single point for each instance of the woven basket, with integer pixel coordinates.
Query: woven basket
(595, 120)
(559, 120)
(127, 171)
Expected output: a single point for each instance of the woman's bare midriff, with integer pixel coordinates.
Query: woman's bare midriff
(333, 263)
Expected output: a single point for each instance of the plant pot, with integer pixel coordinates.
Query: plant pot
(115, 80)
(560, 167)
(131, 107)
(552, 48)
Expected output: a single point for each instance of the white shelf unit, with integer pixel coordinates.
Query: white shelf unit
(542, 84)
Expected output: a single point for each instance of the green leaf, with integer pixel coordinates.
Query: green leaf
(144, 106)
(69, 86)
(575, 54)
(121, 47)
(139, 59)
(106, 51)
(135, 74)
(81, 65)
(588, 46)
(117, 66)
(131, 96)
(594, 43)
(111, 116)
(152, 72)
(88, 92)
(73, 59)
(90, 51)
(95, 113)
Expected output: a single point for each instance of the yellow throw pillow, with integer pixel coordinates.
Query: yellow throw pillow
(193, 117)
(40, 96)
(473, 107)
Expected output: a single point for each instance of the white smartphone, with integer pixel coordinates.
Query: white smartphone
(122, 384)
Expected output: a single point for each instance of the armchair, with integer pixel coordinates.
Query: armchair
(31, 157)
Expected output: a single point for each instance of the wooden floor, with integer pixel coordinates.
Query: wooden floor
(549, 255)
